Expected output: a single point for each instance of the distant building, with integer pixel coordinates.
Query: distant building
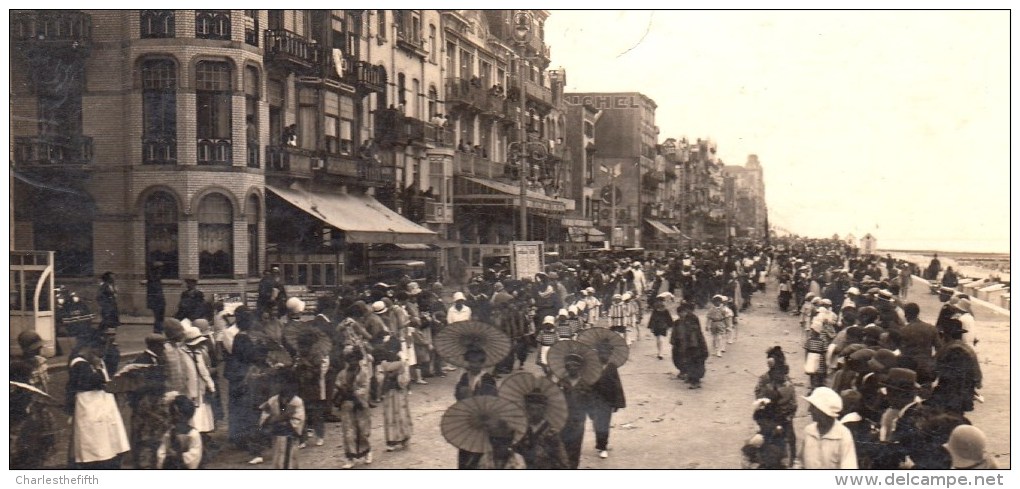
(626, 135)
(746, 198)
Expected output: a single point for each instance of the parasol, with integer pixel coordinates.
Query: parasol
(465, 424)
(131, 377)
(521, 384)
(591, 369)
(30, 388)
(604, 337)
(294, 332)
(457, 338)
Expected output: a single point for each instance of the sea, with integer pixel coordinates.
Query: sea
(968, 264)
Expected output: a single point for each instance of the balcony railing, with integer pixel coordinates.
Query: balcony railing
(158, 150)
(375, 174)
(411, 43)
(439, 136)
(45, 151)
(538, 92)
(393, 127)
(473, 165)
(253, 154)
(371, 78)
(438, 212)
(52, 27)
(277, 158)
(215, 152)
(290, 48)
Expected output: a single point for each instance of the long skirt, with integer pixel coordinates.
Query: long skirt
(678, 359)
(285, 452)
(357, 429)
(99, 432)
(694, 367)
(396, 417)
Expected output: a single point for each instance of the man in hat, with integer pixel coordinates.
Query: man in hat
(459, 311)
(541, 445)
(109, 313)
(918, 342)
(192, 303)
(776, 405)
(827, 443)
(689, 347)
(149, 415)
(720, 322)
(474, 382)
(607, 397)
(900, 428)
(966, 446)
(957, 372)
(964, 314)
(155, 301)
(579, 399)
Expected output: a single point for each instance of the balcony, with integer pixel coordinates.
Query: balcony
(253, 154)
(62, 30)
(375, 174)
(215, 152)
(438, 212)
(470, 164)
(368, 77)
(292, 50)
(52, 151)
(439, 136)
(393, 127)
(159, 150)
(535, 92)
(412, 43)
(473, 95)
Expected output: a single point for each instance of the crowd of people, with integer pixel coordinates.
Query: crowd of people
(893, 389)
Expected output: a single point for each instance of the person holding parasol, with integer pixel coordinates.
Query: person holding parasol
(607, 392)
(475, 346)
(546, 410)
(577, 367)
(487, 426)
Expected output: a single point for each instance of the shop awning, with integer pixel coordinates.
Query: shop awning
(595, 235)
(362, 218)
(662, 228)
(482, 191)
(680, 233)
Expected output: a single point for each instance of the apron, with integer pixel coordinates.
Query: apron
(99, 432)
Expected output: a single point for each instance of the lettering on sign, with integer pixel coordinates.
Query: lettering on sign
(604, 101)
(526, 258)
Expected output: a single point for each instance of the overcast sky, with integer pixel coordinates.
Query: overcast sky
(894, 123)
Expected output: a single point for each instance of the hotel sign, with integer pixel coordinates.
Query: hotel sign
(604, 101)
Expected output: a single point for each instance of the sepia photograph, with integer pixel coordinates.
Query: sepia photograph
(720, 240)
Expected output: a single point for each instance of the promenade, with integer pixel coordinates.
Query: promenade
(665, 425)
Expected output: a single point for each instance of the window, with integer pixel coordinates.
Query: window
(62, 222)
(451, 63)
(212, 24)
(159, 112)
(381, 34)
(485, 73)
(157, 23)
(161, 232)
(466, 65)
(251, 114)
(433, 108)
(274, 95)
(402, 89)
(433, 47)
(416, 96)
(251, 27)
(308, 116)
(215, 237)
(213, 117)
(253, 218)
(339, 124)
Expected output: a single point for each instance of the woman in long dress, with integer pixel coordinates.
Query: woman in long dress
(396, 411)
(351, 395)
(98, 437)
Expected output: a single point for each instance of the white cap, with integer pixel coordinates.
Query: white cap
(563, 312)
(548, 320)
(459, 296)
(572, 308)
(295, 305)
(826, 400)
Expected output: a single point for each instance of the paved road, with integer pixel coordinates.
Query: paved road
(666, 425)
